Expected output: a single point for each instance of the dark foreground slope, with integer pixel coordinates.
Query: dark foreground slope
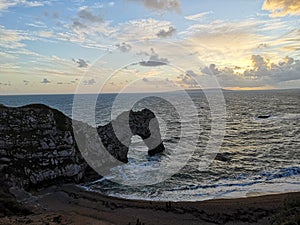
(69, 204)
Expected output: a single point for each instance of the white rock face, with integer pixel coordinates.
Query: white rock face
(37, 147)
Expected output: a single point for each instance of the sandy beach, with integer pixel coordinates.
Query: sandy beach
(71, 204)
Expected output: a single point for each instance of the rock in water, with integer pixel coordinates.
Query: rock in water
(142, 123)
(264, 116)
(223, 157)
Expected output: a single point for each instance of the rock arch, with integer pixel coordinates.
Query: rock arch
(116, 136)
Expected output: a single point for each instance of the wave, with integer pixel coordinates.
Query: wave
(242, 181)
(280, 173)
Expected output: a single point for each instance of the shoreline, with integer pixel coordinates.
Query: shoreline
(230, 197)
(71, 204)
(208, 198)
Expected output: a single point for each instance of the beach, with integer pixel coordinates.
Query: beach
(70, 204)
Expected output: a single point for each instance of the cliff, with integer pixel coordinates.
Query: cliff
(38, 147)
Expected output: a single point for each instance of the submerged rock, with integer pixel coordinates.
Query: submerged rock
(223, 157)
(263, 116)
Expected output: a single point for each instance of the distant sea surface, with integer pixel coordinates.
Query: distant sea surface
(263, 154)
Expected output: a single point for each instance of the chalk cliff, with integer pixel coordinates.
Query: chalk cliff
(38, 146)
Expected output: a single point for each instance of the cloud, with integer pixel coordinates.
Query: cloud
(111, 4)
(77, 25)
(232, 41)
(12, 39)
(166, 33)
(74, 81)
(154, 60)
(37, 24)
(123, 47)
(45, 34)
(5, 4)
(145, 79)
(34, 3)
(143, 53)
(222, 28)
(263, 45)
(191, 73)
(262, 72)
(87, 23)
(86, 14)
(5, 84)
(188, 80)
(290, 41)
(286, 69)
(64, 83)
(81, 63)
(211, 70)
(89, 82)
(160, 5)
(281, 8)
(88, 29)
(152, 63)
(55, 15)
(259, 63)
(136, 30)
(45, 81)
(286, 61)
(197, 17)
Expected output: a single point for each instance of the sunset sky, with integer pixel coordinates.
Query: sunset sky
(53, 46)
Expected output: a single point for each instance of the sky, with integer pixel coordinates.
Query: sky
(148, 45)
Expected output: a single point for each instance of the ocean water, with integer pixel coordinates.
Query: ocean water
(263, 154)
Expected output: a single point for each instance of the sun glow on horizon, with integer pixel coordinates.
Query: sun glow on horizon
(247, 45)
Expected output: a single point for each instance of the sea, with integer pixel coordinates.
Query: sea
(261, 144)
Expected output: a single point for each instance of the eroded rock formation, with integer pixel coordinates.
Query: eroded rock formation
(38, 147)
(116, 136)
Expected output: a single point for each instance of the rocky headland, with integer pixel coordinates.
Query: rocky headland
(38, 147)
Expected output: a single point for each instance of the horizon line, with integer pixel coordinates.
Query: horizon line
(188, 90)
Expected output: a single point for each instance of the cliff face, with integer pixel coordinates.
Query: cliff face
(38, 148)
